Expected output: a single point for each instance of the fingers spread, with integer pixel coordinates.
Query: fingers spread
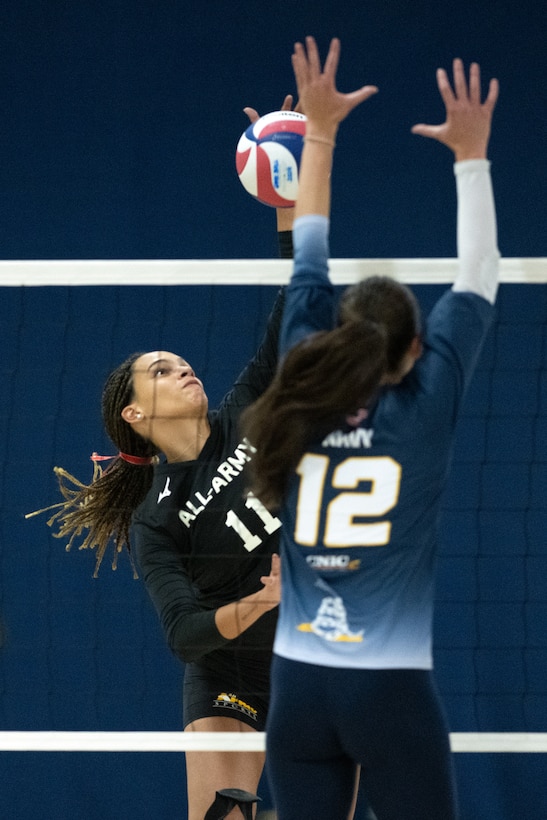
(362, 94)
(492, 98)
(299, 64)
(475, 83)
(444, 86)
(314, 62)
(333, 57)
(460, 83)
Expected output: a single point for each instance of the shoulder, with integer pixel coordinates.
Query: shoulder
(459, 319)
(456, 302)
(168, 483)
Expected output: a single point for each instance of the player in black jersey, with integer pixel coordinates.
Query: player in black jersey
(206, 549)
(205, 552)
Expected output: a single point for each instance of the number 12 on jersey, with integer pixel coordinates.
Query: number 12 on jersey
(341, 529)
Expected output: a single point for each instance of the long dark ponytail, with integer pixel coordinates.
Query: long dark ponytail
(321, 380)
(392, 304)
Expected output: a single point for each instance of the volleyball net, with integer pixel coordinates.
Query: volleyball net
(83, 663)
(474, 742)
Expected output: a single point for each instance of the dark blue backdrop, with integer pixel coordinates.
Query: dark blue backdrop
(117, 140)
(120, 120)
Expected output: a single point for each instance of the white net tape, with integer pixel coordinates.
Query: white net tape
(506, 742)
(245, 271)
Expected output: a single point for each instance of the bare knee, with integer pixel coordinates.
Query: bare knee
(208, 772)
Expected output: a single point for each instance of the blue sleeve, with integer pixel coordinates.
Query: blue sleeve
(309, 299)
(455, 332)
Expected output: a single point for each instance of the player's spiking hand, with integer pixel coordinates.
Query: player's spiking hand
(287, 105)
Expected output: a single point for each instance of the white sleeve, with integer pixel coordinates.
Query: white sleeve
(478, 253)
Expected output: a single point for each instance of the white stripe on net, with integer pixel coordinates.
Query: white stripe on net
(503, 742)
(245, 271)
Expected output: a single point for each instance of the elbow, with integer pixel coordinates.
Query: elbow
(187, 653)
(185, 648)
(192, 637)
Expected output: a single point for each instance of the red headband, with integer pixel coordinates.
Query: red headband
(139, 461)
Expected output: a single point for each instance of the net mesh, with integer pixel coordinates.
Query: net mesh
(87, 656)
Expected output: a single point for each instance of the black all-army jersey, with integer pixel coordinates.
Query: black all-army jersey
(200, 540)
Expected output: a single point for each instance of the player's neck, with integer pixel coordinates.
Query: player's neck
(183, 439)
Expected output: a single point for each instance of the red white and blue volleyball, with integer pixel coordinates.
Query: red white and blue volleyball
(268, 157)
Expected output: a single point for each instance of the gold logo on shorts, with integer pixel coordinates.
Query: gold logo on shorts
(230, 701)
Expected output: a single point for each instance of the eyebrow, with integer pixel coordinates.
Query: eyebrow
(179, 360)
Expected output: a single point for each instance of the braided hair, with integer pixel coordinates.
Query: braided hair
(101, 511)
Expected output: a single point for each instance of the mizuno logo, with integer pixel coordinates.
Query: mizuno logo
(166, 491)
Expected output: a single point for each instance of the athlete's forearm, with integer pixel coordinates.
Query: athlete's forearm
(314, 178)
(233, 619)
(310, 294)
(478, 253)
(285, 219)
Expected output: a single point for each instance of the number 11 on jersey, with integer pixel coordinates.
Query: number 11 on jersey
(267, 523)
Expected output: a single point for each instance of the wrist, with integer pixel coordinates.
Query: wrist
(284, 219)
(330, 143)
(462, 154)
(264, 599)
(321, 133)
(268, 596)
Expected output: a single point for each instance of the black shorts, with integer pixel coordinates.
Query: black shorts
(230, 685)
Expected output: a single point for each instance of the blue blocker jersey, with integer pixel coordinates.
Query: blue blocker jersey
(360, 519)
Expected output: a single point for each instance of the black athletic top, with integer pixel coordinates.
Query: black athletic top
(200, 540)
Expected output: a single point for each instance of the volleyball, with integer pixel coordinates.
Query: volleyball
(268, 157)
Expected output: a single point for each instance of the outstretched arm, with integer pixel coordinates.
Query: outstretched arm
(310, 295)
(466, 132)
(325, 108)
